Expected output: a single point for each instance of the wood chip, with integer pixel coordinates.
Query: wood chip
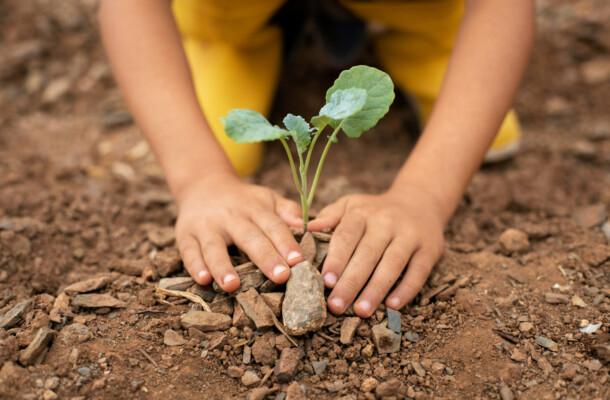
(192, 297)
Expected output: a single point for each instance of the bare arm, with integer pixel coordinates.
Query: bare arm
(376, 236)
(145, 49)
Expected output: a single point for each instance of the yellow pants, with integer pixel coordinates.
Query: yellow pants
(235, 57)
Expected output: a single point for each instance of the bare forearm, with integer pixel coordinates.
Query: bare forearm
(486, 67)
(144, 47)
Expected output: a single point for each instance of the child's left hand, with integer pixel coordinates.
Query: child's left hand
(380, 235)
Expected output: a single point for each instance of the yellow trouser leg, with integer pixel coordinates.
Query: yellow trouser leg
(416, 47)
(235, 60)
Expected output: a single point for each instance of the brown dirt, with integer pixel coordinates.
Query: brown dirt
(76, 198)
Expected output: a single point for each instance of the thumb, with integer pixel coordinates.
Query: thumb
(289, 211)
(329, 217)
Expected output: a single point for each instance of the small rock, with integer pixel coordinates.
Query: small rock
(385, 340)
(180, 283)
(556, 298)
(304, 307)
(319, 366)
(592, 365)
(606, 229)
(367, 352)
(368, 385)
(281, 342)
(505, 392)
(259, 393)
(161, 237)
(14, 315)
(37, 347)
(295, 392)
(240, 319)
(250, 379)
(286, 368)
(247, 356)
(88, 285)
(320, 254)
(222, 305)
(173, 338)
(49, 395)
(167, 262)
(596, 71)
(235, 372)
(514, 241)
(217, 340)
(418, 368)
(526, 326)
(97, 301)
(335, 386)
(517, 356)
(578, 302)
(255, 307)
(339, 367)
(547, 343)
(348, 329)
(545, 365)
(602, 351)
(394, 322)
(388, 388)
(570, 372)
(56, 90)
(51, 383)
(263, 349)
(590, 216)
(308, 247)
(131, 267)
(274, 301)
(412, 337)
(584, 150)
(205, 321)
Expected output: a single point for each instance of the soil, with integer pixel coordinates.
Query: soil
(527, 255)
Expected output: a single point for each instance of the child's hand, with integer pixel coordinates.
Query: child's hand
(379, 235)
(222, 210)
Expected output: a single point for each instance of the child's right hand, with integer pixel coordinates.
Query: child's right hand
(221, 210)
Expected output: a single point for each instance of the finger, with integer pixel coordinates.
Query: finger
(341, 247)
(419, 268)
(388, 271)
(216, 257)
(248, 237)
(190, 253)
(279, 234)
(289, 211)
(358, 270)
(329, 217)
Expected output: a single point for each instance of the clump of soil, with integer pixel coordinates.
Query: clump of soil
(518, 306)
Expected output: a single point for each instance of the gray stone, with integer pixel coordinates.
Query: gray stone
(394, 322)
(205, 321)
(412, 337)
(97, 301)
(84, 371)
(547, 343)
(14, 315)
(319, 366)
(386, 341)
(304, 306)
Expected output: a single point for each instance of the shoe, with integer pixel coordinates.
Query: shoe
(507, 141)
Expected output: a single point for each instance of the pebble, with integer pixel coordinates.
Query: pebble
(368, 385)
(51, 383)
(590, 216)
(84, 371)
(240, 319)
(308, 247)
(394, 322)
(367, 352)
(596, 71)
(418, 368)
(250, 379)
(95, 300)
(304, 307)
(205, 321)
(556, 298)
(167, 262)
(335, 386)
(49, 395)
(37, 347)
(514, 241)
(295, 392)
(286, 367)
(547, 343)
(412, 337)
(505, 392)
(161, 237)
(606, 229)
(517, 355)
(14, 315)
(89, 285)
(259, 393)
(263, 349)
(222, 305)
(526, 326)
(592, 365)
(319, 366)
(578, 302)
(348, 329)
(173, 338)
(385, 340)
(274, 301)
(388, 388)
(256, 308)
(247, 356)
(545, 365)
(235, 372)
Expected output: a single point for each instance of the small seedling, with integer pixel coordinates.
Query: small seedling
(355, 103)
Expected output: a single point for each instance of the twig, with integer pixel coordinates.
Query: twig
(149, 358)
(241, 343)
(192, 297)
(327, 337)
(281, 328)
(267, 375)
(506, 336)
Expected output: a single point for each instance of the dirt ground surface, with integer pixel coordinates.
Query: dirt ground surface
(526, 264)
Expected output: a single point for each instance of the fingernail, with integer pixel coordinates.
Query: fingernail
(364, 306)
(330, 279)
(293, 255)
(203, 275)
(394, 302)
(229, 278)
(280, 269)
(338, 303)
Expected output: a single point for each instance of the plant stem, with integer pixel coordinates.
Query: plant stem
(312, 191)
(313, 143)
(292, 166)
(304, 203)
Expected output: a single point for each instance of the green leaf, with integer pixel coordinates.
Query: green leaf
(380, 94)
(299, 130)
(247, 126)
(320, 121)
(344, 103)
